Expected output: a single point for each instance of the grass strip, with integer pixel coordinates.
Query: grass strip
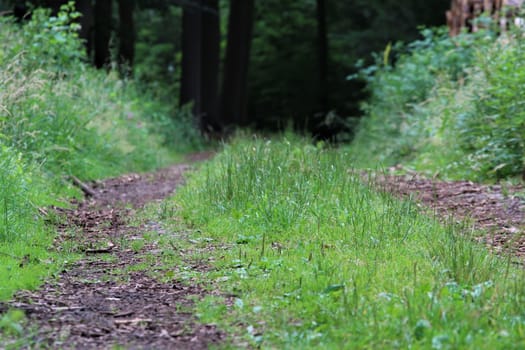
(316, 259)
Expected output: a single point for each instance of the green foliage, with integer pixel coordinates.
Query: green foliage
(16, 213)
(494, 132)
(448, 106)
(12, 322)
(414, 73)
(387, 130)
(81, 122)
(316, 259)
(157, 57)
(59, 117)
(54, 37)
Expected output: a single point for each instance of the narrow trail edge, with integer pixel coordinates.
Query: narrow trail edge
(497, 211)
(102, 301)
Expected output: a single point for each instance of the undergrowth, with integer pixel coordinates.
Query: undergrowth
(313, 258)
(59, 118)
(450, 107)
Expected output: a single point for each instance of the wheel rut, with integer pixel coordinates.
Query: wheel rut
(496, 210)
(101, 301)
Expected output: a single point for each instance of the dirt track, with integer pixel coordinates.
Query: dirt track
(496, 210)
(94, 305)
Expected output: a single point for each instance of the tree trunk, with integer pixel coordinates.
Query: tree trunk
(210, 67)
(191, 78)
(85, 7)
(322, 49)
(234, 88)
(103, 13)
(54, 5)
(126, 52)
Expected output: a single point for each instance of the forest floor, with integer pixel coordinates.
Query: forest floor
(496, 212)
(99, 302)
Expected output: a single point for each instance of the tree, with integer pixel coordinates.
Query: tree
(85, 7)
(200, 62)
(103, 14)
(191, 78)
(54, 5)
(211, 38)
(322, 51)
(126, 52)
(234, 96)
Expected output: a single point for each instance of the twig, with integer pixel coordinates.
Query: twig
(67, 308)
(97, 251)
(101, 250)
(133, 321)
(85, 188)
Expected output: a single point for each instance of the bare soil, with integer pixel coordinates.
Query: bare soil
(496, 210)
(93, 304)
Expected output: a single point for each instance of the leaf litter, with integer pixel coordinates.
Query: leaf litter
(497, 211)
(93, 304)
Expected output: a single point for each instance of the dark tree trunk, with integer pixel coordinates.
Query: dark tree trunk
(54, 5)
(103, 11)
(210, 67)
(322, 49)
(191, 78)
(21, 11)
(85, 7)
(126, 52)
(234, 88)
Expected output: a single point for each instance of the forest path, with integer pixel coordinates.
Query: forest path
(496, 210)
(102, 301)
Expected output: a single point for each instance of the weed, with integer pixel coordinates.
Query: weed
(60, 117)
(449, 107)
(12, 322)
(319, 260)
(137, 245)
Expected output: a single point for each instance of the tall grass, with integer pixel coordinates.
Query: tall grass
(60, 117)
(316, 259)
(450, 106)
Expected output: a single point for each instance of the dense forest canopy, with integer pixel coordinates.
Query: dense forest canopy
(290, 69)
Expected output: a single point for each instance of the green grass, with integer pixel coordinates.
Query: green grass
(449, 107)
(61, 117)
(316, 259)
(25, 257)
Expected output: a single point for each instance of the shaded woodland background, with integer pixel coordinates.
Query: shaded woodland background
(268, 65)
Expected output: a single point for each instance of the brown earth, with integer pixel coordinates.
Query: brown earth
(93, 304)
(496, 210)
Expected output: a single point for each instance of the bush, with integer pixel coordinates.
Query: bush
(46, 42)
(385, 133)
(60, 117)
(449, 106)
(72, 119)
(494, 133)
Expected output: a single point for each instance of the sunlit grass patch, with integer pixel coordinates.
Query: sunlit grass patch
(319, 260)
